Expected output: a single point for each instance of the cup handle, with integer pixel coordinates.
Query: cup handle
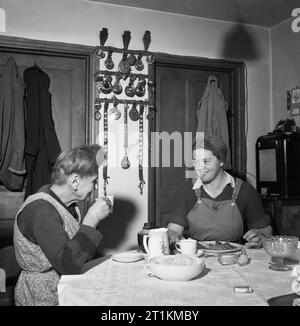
(146, 268)
(177, 246)
(145, 237)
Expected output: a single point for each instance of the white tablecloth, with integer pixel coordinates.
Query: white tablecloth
(113, 283)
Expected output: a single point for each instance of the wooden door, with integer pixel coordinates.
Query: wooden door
(179, 88)
(179, 91)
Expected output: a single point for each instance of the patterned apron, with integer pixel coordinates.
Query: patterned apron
(216, 220)
(37, 283)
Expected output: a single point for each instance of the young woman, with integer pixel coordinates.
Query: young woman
(217, 206)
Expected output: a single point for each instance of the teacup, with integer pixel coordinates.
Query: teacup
(187, 246)
(110, 202)
(111, 198)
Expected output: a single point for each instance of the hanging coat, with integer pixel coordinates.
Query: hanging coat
(12, 134)
(211, 115)
(42, 146)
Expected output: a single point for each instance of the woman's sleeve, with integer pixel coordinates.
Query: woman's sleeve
(182, 204)
(65, 255)
(255, 214)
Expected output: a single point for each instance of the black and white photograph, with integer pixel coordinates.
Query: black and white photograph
(149, 156)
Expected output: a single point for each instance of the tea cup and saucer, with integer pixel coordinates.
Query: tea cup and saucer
(188, 247)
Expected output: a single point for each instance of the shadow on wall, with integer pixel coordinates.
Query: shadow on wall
(115, 225)
(239, 44)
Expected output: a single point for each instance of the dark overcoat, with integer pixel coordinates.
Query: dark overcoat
(41, 146)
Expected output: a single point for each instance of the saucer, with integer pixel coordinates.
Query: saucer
(127, 257)
(196, 255)
(199, 253)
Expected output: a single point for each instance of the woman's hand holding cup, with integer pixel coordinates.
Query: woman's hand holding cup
(110, 202)
(97, 212)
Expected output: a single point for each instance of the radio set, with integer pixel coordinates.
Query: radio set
(278, 164)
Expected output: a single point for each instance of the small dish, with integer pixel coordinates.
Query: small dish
(127, 257)
(228, 258)
(295, 256)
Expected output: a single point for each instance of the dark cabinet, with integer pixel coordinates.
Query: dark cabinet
(285, 215)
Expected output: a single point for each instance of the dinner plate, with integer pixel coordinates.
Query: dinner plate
(127, 257)
(204, 245)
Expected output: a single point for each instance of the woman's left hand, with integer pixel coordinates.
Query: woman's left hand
(254, 239)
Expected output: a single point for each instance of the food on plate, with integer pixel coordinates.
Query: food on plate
(175, 267)
(217, 245)
(176, 260)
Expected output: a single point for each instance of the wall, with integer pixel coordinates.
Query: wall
(285, 68)
(79, 21)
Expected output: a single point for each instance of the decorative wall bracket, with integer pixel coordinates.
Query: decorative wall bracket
(138, 91)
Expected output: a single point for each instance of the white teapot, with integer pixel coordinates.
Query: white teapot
(158, 243)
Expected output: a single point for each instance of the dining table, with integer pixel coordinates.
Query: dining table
(107, 282)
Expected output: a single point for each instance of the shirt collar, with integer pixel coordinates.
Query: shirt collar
(71, 208)
(229, 179)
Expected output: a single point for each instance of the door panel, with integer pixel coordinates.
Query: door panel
(178, 94)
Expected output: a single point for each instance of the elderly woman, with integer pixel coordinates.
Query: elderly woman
(215, 205)
(50, 237)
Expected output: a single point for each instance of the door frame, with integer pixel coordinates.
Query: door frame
(237, 69)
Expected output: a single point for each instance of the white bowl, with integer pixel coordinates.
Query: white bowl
(175, 267)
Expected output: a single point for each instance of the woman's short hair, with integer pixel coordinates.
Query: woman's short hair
(214, 144)
(83, 160)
